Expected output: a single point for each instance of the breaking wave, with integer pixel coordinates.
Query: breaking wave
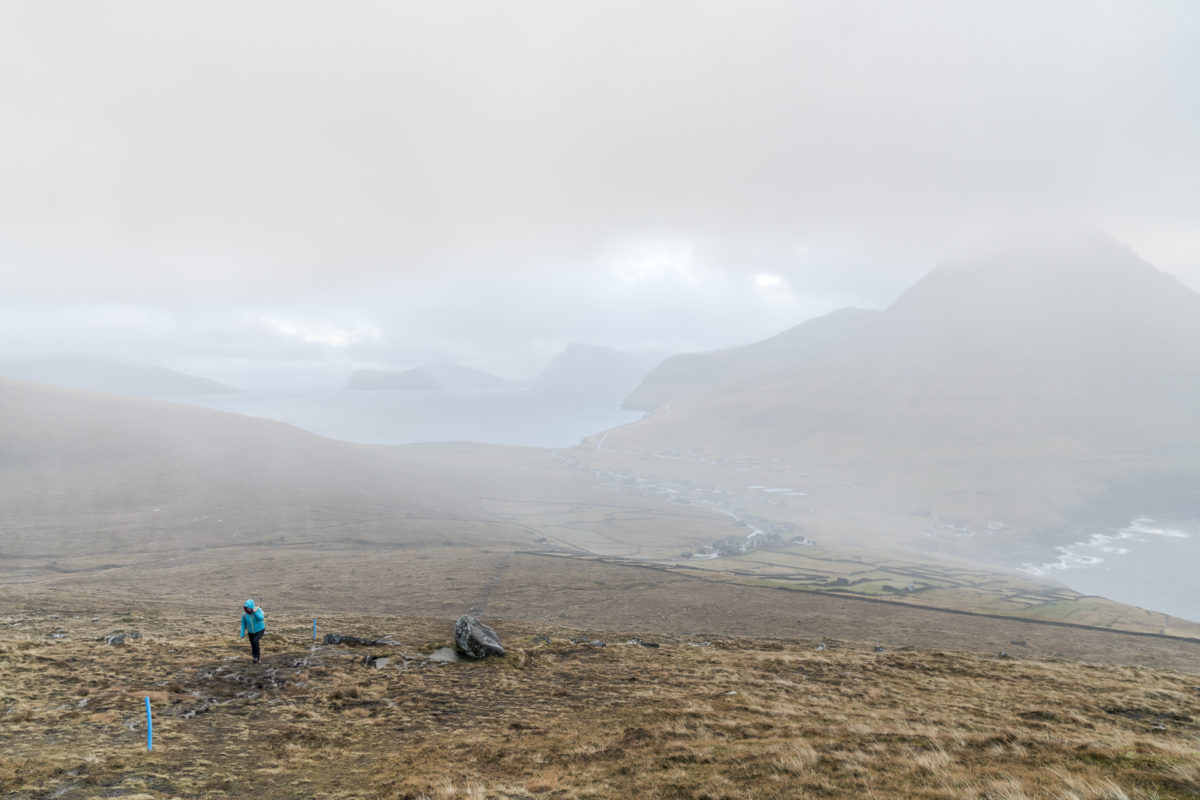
(1089, 553)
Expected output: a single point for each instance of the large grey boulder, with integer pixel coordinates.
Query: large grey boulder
(476, 640)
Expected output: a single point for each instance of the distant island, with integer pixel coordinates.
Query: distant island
(579, 371)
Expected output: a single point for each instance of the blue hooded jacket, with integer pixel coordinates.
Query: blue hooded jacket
(252, 623)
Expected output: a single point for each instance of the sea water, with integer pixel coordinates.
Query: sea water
(1153, 563)
(503, 416)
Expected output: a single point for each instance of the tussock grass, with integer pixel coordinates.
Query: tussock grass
(756, 719)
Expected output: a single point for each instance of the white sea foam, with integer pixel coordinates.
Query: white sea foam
(1143, 525)
(1079, 555)
(1148, 563)
(1076, 555)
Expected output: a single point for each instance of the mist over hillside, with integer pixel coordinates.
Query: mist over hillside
(577, 393)
(1023, 384)
(683, 374)
(74, 461)
(671, 341)
(103, 375)
(597, 373)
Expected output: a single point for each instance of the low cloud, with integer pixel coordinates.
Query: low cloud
(389, 182)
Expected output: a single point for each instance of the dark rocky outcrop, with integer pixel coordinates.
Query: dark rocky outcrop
(589, 642)
(476, 640)
(120, 638)
(338, 638)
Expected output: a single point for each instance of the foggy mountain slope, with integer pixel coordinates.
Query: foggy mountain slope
(100, 375)
(686, 373)
(584, 370)
(430, 377)
(1074, 357)
(73, 461)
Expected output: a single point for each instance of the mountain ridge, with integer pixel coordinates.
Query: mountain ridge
(1074, 371)
(682, 374)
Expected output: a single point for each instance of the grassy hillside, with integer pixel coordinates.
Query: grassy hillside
(122, 501)
(130, 517)
(88, 465)
(564, 718)
(99, 375)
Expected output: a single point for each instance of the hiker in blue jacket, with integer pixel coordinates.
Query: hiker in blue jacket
(254, 622)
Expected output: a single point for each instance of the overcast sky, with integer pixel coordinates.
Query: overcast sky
(235, 188)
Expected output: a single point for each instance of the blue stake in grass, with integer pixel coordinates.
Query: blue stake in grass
(314, 629)
(149, 726)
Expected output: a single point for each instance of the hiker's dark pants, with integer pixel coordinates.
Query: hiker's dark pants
(254, 637)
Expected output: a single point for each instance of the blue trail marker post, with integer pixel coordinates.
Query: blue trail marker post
(314, 629)
(149, 726)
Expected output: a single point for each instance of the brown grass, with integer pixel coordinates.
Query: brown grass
(739, 718)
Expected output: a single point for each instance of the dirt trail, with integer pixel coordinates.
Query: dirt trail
(480, 607)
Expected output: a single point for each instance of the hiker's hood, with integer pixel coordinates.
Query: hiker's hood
(248, 604)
